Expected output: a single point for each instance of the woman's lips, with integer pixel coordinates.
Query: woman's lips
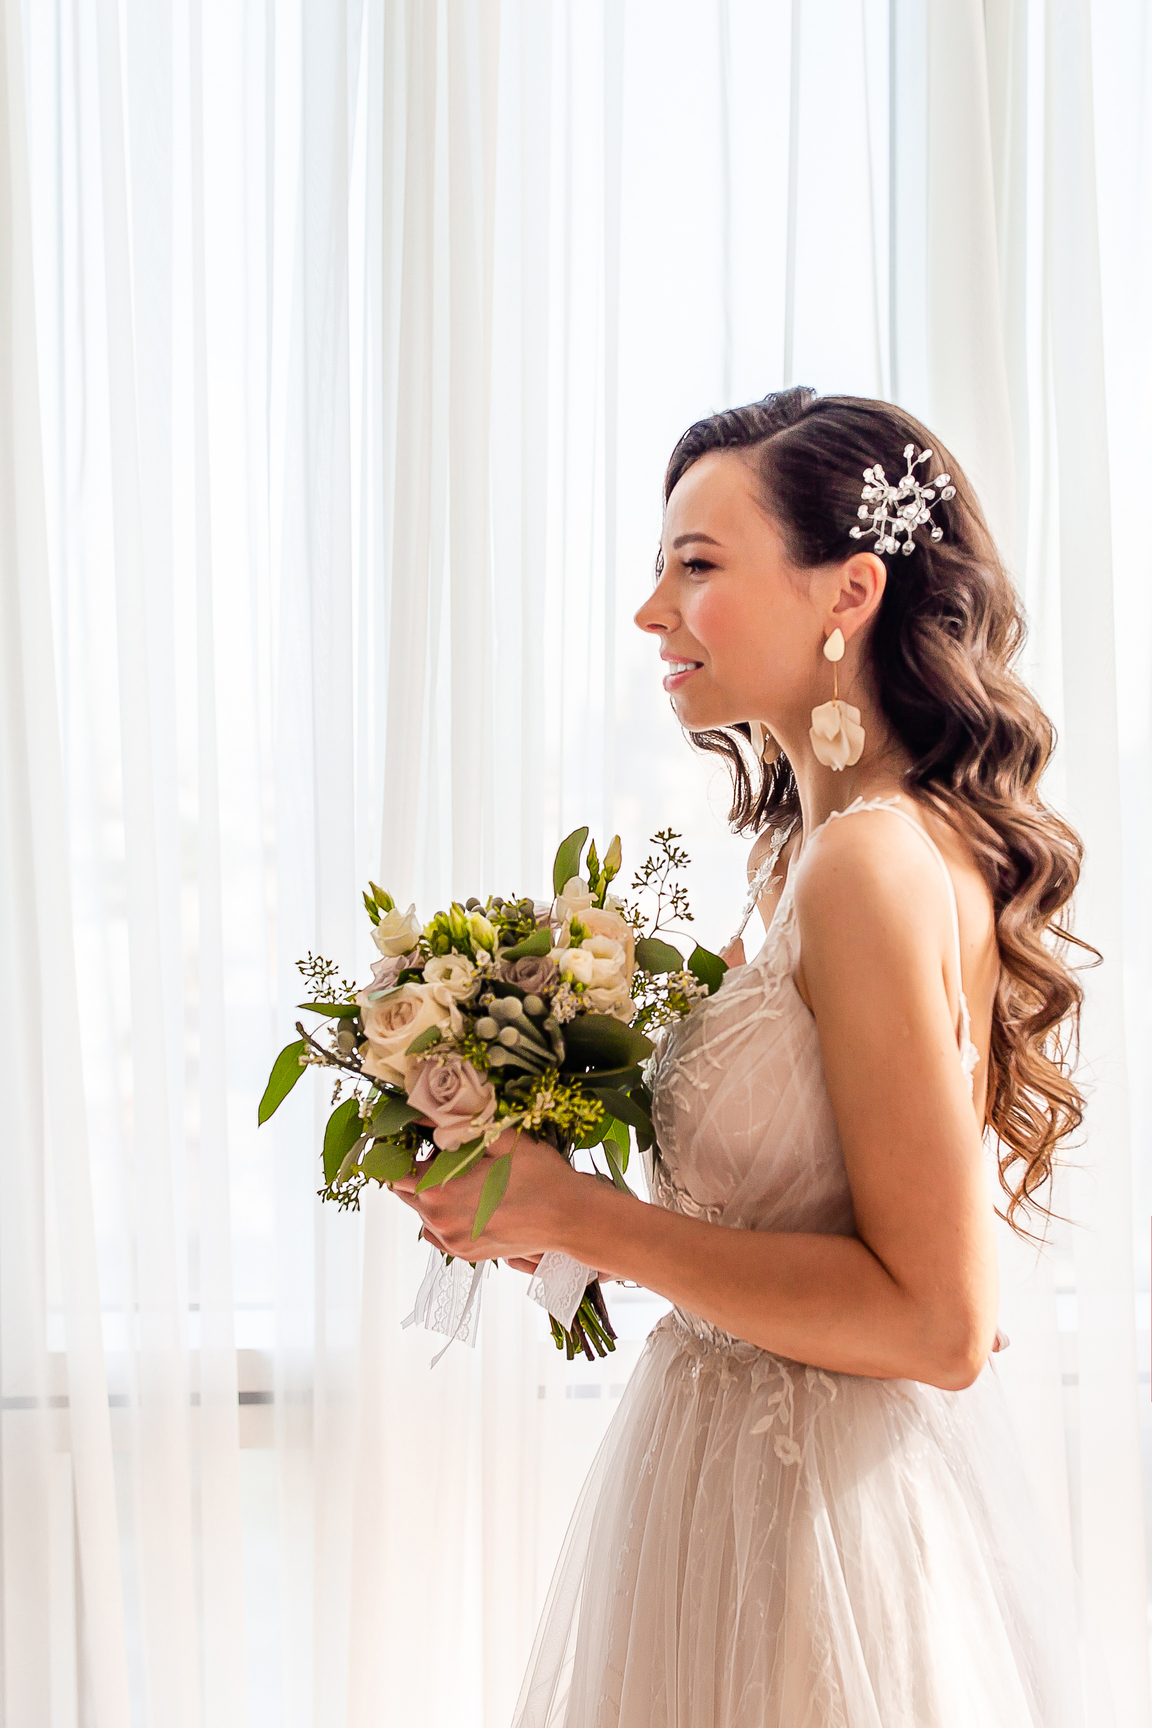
(673, 680)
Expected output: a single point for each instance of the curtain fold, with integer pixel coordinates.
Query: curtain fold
(342, 349)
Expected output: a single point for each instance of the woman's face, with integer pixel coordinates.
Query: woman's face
(730, 609)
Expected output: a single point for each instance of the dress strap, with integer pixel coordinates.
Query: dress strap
(969, 1054)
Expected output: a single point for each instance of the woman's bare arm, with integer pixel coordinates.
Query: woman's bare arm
(915, 1296)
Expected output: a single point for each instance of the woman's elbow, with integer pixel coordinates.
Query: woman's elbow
(959, 1357)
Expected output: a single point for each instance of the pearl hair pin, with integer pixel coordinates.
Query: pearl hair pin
(902, 508)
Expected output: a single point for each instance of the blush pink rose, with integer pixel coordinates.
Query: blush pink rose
(454, 1097)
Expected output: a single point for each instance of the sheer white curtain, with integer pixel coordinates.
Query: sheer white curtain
(342, 348)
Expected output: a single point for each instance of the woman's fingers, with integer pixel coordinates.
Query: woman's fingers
(528, 1263)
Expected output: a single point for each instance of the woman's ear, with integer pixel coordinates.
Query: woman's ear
(862, 580)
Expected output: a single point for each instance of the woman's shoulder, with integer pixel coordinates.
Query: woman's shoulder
(867, 864)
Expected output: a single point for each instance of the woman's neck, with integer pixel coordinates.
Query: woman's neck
(880, 773)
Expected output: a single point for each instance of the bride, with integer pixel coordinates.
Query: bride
(809, 1509)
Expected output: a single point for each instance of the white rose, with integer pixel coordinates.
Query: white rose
(398, 932)
(599, 962)
(607, 921)
(391, 1025)
(574, 898)
(615, 1002)
(455, 971)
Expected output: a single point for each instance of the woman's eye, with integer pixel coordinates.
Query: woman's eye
(697, 565)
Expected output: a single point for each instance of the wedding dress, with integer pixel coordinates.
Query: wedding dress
(760, 1543)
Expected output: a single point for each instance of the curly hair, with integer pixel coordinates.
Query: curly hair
(941, 647)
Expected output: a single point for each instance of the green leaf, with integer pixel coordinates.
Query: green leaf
(619, 1133)
(601, 1041)
(612, 1154)
(708, 967)
(450, 1164)
(386, 1162)
(343, 1130)
(391, 1115)
(624, 1079)
(624, 1109)
(425, 1041)
(652, 955)
(540, 942)
(286, 1070)
(334, 1010)
(492, 1192)
(567, 861)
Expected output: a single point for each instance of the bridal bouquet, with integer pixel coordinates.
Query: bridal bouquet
(511, 1014)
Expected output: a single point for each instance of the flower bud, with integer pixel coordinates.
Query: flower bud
(509, 1037)
(486, 1027)
(457, 923)
(613, 858)
(533, 1005)
(482, 931)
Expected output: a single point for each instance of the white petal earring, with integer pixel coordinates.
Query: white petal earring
(836, 734)
(764, 745)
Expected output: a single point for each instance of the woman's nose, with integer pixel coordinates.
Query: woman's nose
(653, 614)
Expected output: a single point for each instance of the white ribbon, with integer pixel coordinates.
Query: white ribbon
(448, 1300)
(558, 1284)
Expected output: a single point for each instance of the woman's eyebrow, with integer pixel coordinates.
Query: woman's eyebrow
(685, 539)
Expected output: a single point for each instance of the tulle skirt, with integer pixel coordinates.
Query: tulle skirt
(761, 1544)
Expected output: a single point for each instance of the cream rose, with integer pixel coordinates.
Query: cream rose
(607, 921)
(600, 964)
(455, 971)
(573, 899)
(391, 1025)
(454, 1097)
(397, 932)
(836, 734)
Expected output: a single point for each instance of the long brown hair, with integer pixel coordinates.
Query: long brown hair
(942, 648)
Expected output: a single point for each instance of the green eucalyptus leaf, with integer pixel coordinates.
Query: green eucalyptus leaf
(540, 942)
(286, 1070)
(333, 1010)
(450, 1164)
(391, 1115)
(655, 956)
(708, 967)
(567, 861)
(619, 1133)
(492, 1192)
(624, 1109)
(611, 1152)
(429, 1036)
(344, 1129)
(384, 1161)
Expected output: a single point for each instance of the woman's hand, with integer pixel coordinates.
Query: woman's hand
(542, 1188)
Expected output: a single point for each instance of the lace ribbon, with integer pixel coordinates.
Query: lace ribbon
(448, 1300)
(558, 1284)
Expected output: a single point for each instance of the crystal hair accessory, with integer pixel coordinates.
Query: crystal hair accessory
(902, 508)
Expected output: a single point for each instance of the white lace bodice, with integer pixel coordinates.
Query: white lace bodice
(740, 1105)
